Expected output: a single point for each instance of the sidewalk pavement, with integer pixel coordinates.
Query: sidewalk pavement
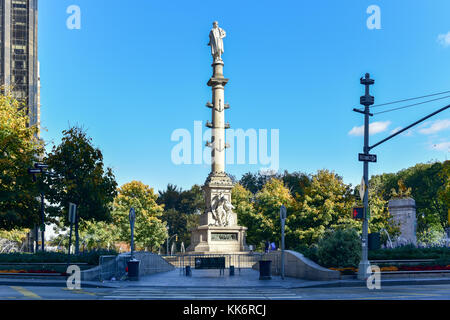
(211, 278)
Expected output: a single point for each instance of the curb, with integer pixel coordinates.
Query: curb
(390, 282)
(320, 284)
(52, 283)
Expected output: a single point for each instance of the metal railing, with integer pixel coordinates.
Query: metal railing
(239, 261)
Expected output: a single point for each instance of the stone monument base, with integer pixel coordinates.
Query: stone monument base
(403, 212)
(211, 239)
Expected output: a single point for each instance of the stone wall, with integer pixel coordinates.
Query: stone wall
(298, 266)
(149, 263)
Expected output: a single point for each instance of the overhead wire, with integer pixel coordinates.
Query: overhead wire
(409, 99)
(411, 105)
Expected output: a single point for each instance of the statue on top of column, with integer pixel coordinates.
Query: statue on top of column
(215, 41)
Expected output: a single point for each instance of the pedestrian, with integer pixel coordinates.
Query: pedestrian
(266, 247)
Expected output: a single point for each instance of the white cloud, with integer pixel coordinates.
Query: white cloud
(374, 128)
(436, 126)
(443, 146)
(444, 39)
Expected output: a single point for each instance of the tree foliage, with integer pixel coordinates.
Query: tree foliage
(19, 149)
(79, 177)
(149, 231)
(326, 205)
(181, 210)
(427, 184)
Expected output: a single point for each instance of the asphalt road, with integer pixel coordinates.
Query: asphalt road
(422, 292)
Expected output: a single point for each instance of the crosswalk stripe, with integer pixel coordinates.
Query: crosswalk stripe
(177, 297)
(201, 294)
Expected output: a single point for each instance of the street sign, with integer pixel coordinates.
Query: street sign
(132, 216)
(362, 189)
(367, 157)
(40, 166)
(283, 212)
(72, 212)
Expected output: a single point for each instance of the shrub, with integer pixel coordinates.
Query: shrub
(409, 252)
(308, 252)
(90, 257)
(339, 249)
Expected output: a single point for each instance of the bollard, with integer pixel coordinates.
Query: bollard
(188, 271)
(133, 270)
(265, 270)
(231, 270)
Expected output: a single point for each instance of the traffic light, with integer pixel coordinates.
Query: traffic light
(176, 238)
(358, 213)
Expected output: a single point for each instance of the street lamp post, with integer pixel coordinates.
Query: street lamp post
(39, 168)
(168, 241)
(283, 222)
(132, 217)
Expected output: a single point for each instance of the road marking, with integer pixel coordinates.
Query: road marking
(80, 291)
(409, 295)
(25, 292)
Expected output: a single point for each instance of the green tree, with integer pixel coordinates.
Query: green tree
(241, 199)
(180, 210)
(260, 213)
(19, 149)
(427, 182)
(444, 193)
(150, 232)
(16, 235)
(296, 182)
(80, 178)
(326, 205)
(267, 205)
(170, 197)
(94, 235)
(254, 182)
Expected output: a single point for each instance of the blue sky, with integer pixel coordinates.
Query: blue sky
(137, 71)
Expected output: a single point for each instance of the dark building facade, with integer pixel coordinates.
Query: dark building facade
(19, 67)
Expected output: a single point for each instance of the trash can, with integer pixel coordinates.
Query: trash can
(188, 271)
(133, 270)
(265, 269)
(374, 241)
(231, 270)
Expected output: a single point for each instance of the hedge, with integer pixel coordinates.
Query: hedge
(91, 257)
(410, 252)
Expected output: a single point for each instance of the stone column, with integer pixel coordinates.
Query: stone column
(403, 212)
(218, 125)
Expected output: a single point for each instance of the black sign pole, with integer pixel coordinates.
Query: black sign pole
(70, 242)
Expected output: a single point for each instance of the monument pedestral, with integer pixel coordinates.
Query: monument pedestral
(403, 212)
(218, 231)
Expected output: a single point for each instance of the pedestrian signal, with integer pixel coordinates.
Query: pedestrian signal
(358, 213)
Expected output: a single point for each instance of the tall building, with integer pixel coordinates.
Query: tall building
(19, 68)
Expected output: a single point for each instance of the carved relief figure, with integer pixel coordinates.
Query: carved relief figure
(222, 211)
